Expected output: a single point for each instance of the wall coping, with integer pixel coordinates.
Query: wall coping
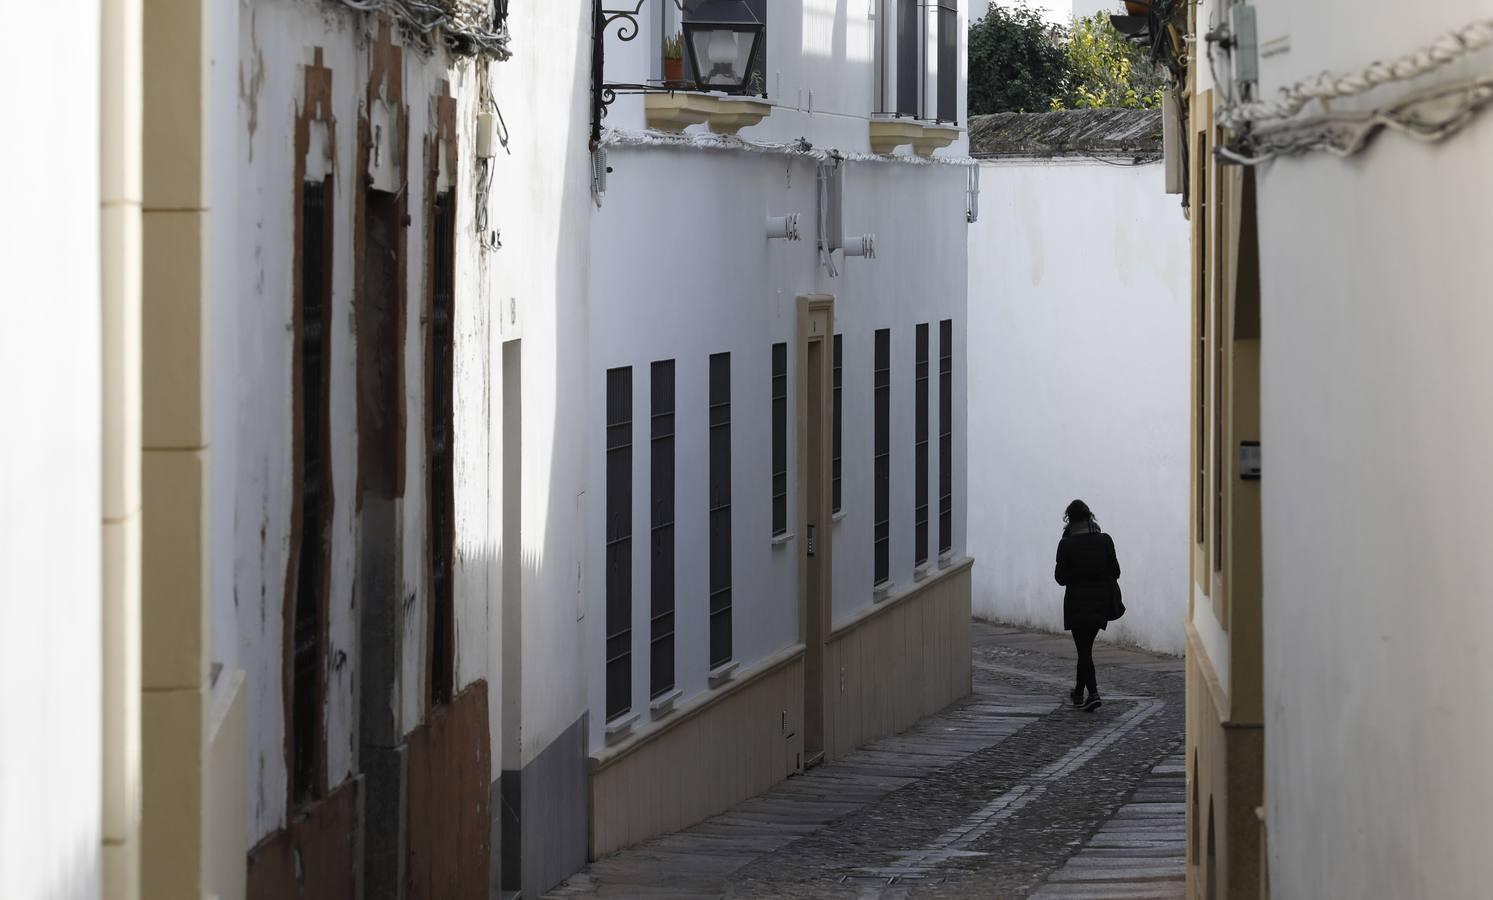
(607, 757)
(898, 598)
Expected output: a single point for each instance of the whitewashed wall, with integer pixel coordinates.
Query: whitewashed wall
(541, 206)
(1374, 387)
(822, 74)
(1059, 12)
(1079, 388)
(50, 566)
(682, 269)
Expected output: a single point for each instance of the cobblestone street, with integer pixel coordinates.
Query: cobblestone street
(1009, 793)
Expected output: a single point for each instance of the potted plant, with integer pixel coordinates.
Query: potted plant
(674, 59)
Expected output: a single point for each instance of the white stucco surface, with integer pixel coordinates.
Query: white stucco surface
(1377, 572)
(681, 268)
(728, 289)
(50, 459)
(1059, 12)
(1079, 388)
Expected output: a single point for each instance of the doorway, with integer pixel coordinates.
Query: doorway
(816, 330)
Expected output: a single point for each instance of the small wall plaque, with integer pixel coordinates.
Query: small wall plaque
(1249, 460)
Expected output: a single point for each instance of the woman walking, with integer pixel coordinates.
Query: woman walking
(1088, 568)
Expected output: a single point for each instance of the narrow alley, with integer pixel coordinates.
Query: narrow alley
(1008, 793)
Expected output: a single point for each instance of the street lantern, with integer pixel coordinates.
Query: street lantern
(724, 40)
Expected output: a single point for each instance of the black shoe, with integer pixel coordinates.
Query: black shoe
(1076, 695)
(1092, 703)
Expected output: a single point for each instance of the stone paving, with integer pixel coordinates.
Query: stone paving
(1009, 793)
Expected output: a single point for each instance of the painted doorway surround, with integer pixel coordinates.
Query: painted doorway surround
(816, 320)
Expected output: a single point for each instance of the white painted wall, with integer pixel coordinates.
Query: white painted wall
(50, 566)
(682, 269)
(1078, 323)
(542, 204)
(1375, 423)
(822, 72)
(1058, 12)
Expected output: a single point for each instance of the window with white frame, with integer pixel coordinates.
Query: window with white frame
(917, 53)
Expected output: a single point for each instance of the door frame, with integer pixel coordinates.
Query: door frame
(815, 324)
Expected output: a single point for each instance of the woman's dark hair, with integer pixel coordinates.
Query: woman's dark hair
(1077, 511)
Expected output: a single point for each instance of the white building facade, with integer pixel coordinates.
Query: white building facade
(375, 619)
(776, 432)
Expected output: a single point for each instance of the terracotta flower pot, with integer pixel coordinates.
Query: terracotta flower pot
(1138, 7)
(673, 71)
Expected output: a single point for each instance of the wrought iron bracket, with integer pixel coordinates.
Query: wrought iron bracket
(604, 93)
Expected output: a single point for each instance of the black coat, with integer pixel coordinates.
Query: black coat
(1088, 568)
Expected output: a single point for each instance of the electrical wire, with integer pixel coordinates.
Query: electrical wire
(464, 34)
(1291, 100)
(1428, 116)
(616, 137)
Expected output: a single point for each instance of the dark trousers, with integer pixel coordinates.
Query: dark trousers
(1083, 639)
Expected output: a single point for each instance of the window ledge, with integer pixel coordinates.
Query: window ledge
(889, 134)
(838, 516)
(723, 674)
(946, 559)
(779, 540)
(935, 137)
(620, 728)
(724, 115)
(882, 591)
(922, 572)
(663, 704)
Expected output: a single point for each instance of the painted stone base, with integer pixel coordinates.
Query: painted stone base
(906, 657)
(721, 748)
(539, 816)
(1225, 784)
(450, 764)
(316, 856)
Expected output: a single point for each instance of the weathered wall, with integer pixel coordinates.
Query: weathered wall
(1374, 381)
(1078, 387)
(726, 288)
(277, 40)
(50, 563)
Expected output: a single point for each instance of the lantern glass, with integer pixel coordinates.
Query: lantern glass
(724, 41)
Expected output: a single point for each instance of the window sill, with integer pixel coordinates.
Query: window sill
(723, 674)
(838, 516)
(779, 540)
(723, 114)
(882, 591)
(619, 729)
(922, 572)
(946, 559)
(663, 704)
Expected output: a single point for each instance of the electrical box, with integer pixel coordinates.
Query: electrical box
(1246, 51)
(487, 134)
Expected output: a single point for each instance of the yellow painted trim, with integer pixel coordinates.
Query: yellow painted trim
(1216, 691)
(607, 757)
(935, 137)
(724, 115)
(889, 134)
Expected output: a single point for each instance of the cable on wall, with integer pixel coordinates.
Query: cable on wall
(1448, 48)
(616, 137)
(1271, 128)
(464, 34)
